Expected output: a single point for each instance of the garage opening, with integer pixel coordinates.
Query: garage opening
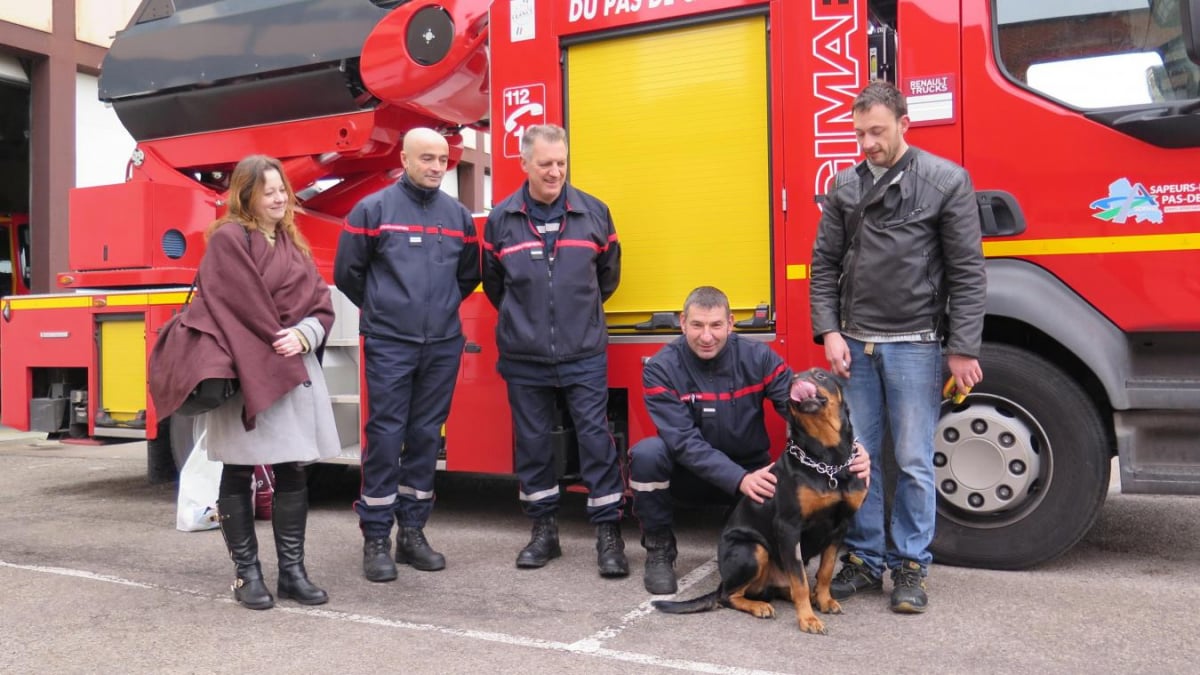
(14, 177)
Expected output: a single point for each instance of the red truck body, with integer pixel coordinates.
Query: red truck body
(711, 128)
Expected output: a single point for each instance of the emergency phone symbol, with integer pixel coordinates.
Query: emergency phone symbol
(522, 107)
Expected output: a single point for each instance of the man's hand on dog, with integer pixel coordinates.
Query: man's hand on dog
(758, 485)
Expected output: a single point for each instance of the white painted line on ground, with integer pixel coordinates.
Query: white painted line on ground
(82, 574)
(587, 647)
(594, 641)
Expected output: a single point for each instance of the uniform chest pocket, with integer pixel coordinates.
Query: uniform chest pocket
(706, 416)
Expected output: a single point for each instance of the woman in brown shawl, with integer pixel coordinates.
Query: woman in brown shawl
(261, 313)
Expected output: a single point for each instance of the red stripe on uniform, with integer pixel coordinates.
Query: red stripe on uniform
(519, 247)
(393, 227)
(761, 385)
(360, 230)
(581, 243)
(730, 395)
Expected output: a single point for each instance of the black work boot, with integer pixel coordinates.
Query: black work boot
(289, 515)
(543, 544)
(659, 578)
(377, 559)
(414, 549)
(237, 526)
(908, 588)
(610, 550)
(854, 576)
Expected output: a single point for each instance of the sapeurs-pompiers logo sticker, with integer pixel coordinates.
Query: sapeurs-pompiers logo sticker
(1127, 200)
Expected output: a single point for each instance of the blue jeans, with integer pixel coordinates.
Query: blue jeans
(898, 384)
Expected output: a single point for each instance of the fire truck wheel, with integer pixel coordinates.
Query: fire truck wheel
(169, 450)
(1022, 465)
(160, 465)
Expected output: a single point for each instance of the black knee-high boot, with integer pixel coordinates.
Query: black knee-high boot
(290, 516)
(237, 526)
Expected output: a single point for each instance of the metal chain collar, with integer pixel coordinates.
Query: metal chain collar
(820, 467)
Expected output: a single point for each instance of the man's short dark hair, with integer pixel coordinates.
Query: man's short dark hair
(881, 92)
(706, 297)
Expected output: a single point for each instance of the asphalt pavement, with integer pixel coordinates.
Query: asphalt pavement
(95, 579)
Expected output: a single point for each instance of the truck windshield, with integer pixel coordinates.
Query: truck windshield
(1096, 54)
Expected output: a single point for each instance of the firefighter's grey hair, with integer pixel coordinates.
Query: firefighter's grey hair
(551, 133)
(706, 297)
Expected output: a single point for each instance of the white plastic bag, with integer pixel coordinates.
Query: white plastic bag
(196, 508)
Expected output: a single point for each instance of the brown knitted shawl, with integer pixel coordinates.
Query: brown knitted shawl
(247, 290)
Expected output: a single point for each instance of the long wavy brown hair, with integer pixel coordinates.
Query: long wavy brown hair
(246, 188)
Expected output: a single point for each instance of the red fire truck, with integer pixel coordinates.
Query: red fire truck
(711, 128)
(14, 254)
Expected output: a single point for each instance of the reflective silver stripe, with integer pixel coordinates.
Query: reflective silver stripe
(605, 500)
(379, 501)
(414, 492)
(649, 487)
(538, 496)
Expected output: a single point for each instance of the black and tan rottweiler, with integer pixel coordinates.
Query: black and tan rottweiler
(764, 547)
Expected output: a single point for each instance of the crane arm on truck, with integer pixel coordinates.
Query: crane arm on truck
(329, 87)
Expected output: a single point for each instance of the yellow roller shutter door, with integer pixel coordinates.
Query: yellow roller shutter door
(670, 129)
(123, 366)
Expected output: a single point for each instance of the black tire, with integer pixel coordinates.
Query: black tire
(327, 480)
(169, 450)
(160, 464)
(1022, 465)
(181, 439)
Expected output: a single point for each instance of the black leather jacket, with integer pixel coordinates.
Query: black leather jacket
(917, 254)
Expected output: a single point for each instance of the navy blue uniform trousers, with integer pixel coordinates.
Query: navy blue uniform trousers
(531, 395)
(660, 481)
(409, 388)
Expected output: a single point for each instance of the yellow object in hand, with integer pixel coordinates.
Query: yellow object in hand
(950, 391)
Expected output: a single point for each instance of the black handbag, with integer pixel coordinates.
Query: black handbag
(209, 395)
(211, 392)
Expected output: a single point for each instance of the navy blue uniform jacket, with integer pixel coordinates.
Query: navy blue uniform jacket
(407, 257)
(551, 303)
(710, 412)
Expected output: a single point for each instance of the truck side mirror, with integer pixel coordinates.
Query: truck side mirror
(1189, 21)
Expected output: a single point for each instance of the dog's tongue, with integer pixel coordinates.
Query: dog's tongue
(803, 389)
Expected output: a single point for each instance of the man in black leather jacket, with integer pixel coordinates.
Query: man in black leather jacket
(895, 272)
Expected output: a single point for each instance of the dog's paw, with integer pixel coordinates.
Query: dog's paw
(812, 625)
(763, 610)
(830, 607)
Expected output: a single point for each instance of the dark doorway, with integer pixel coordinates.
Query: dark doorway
(14, 147)
(14, 187)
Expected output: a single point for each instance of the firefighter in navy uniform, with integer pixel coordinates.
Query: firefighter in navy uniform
(705, 393)
(551, 259)
(407, 257)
